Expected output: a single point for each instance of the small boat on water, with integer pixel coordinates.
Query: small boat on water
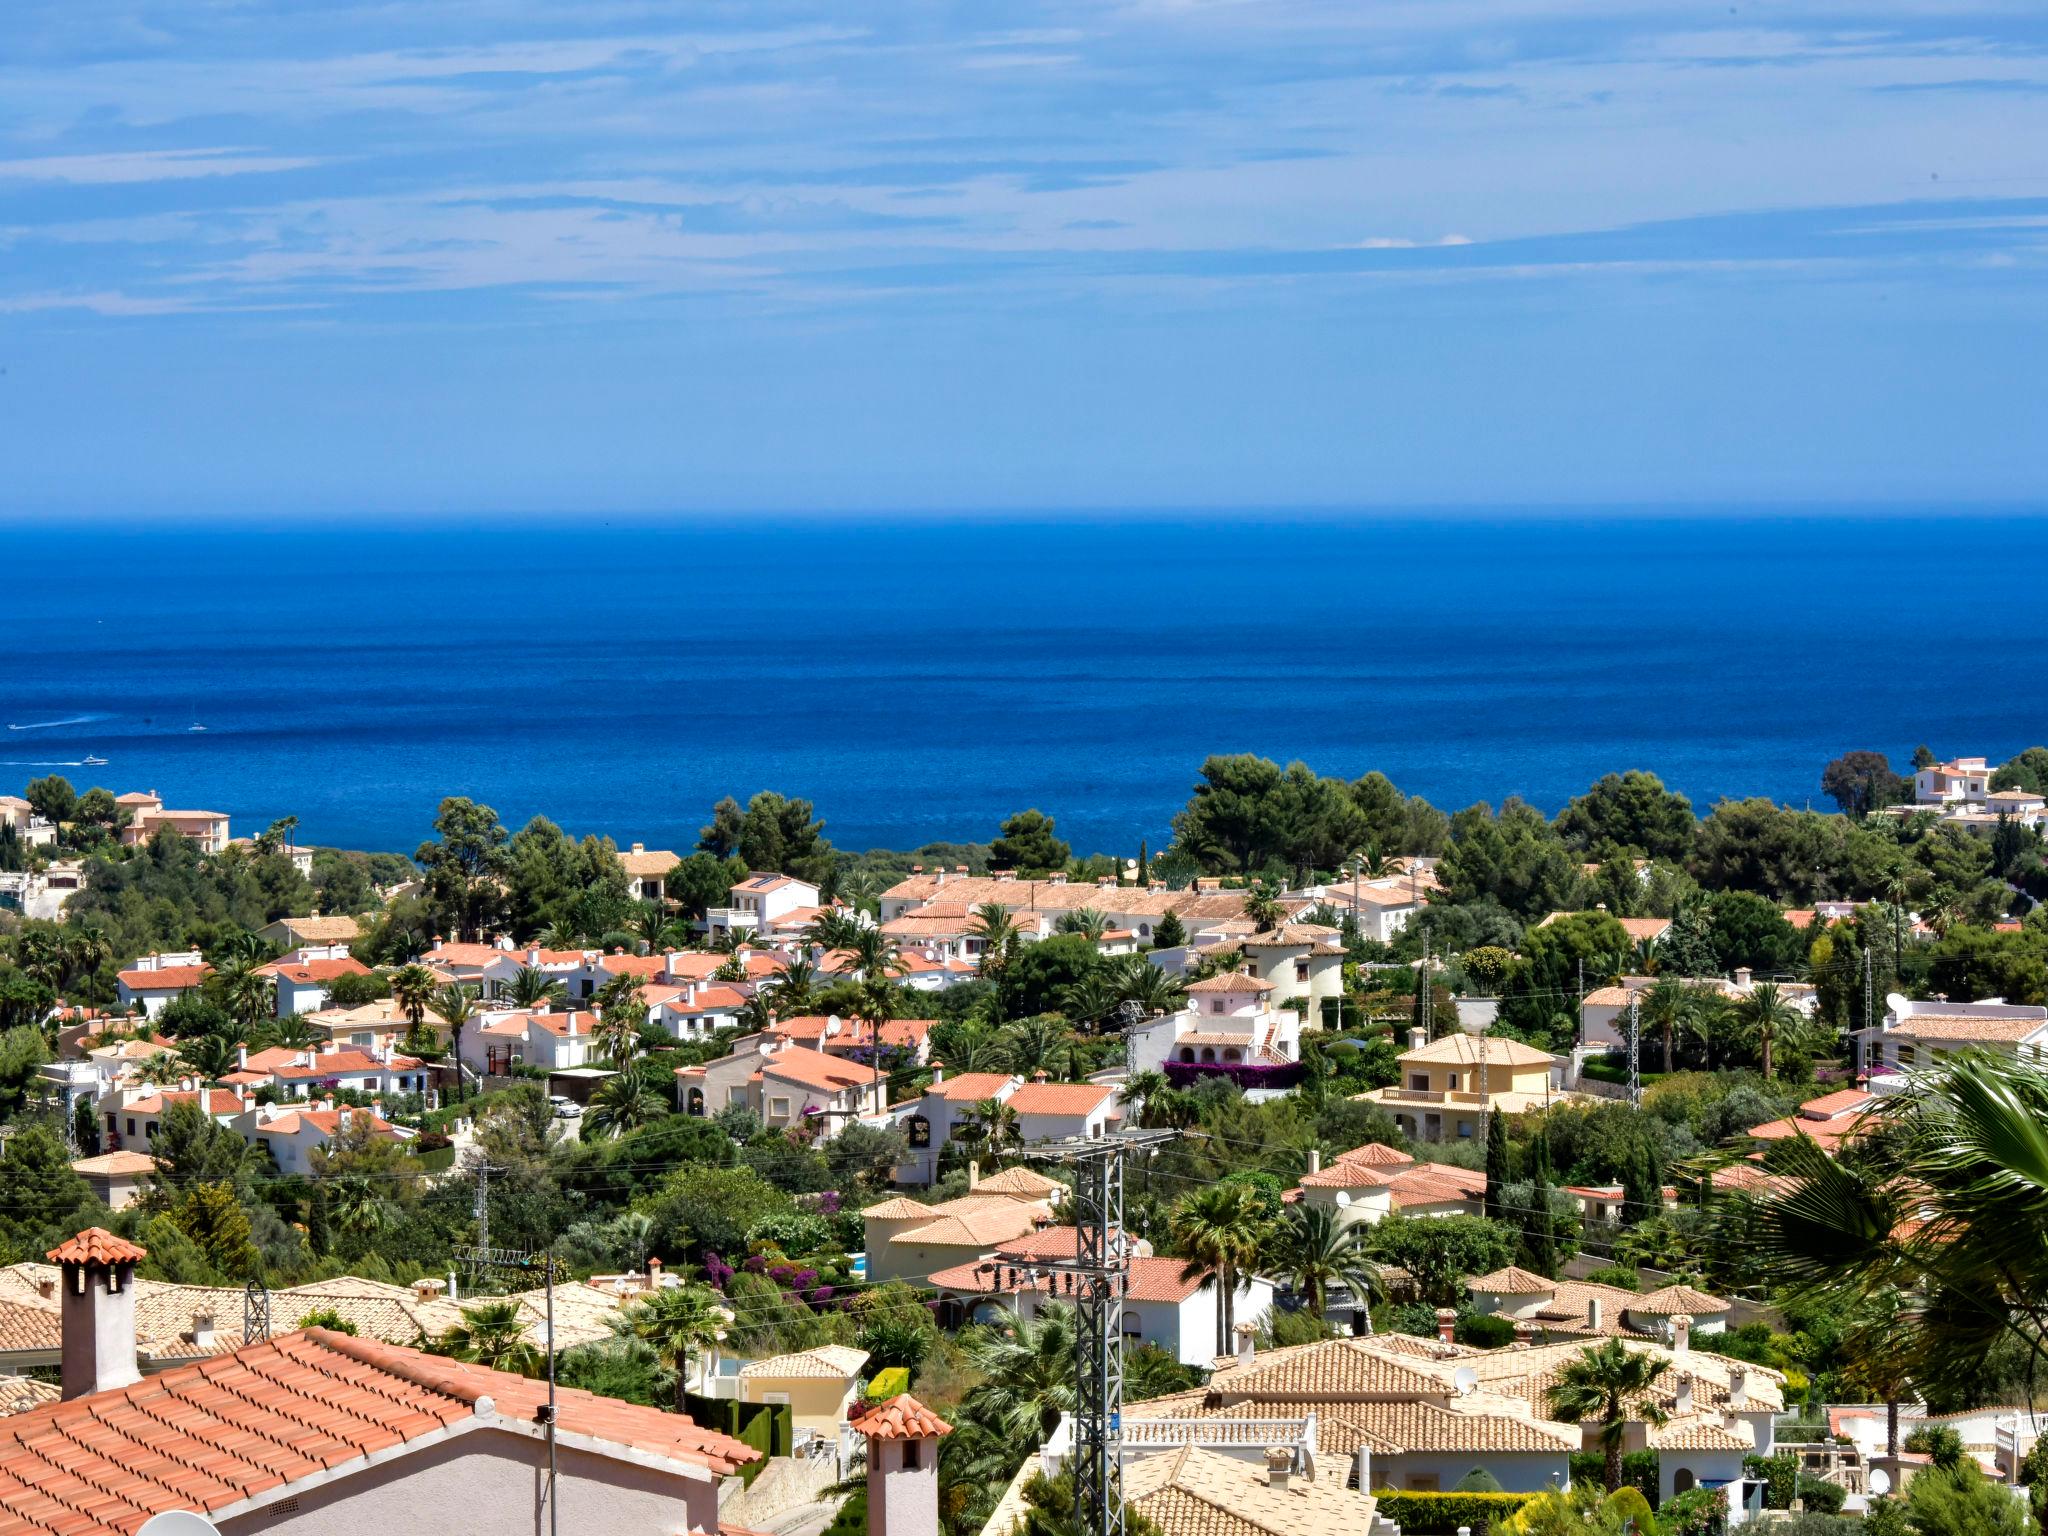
(194, 726)
(90, 761)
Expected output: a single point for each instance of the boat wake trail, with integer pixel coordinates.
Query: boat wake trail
(44, 725)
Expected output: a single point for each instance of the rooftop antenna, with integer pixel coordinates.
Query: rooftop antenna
(522, 1261)
(1098, 1280)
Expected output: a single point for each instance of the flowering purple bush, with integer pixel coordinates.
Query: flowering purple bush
(716, 1271)
(1185, 1074)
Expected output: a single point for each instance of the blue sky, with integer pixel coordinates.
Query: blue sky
(476, 255)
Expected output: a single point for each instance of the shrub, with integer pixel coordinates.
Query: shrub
(1780, 1475)
(889, 1383)
(1825, 1497)
(1478, 1480)
(1440, 1514)
(1485, 1331)
(1695, 1512)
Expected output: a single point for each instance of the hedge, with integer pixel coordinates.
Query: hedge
(1440, 1514)
(852, 1519)
(769, 1428)
(889, 1383)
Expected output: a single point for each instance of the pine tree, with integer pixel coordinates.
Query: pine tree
(1144, 863)
(1498, 1172)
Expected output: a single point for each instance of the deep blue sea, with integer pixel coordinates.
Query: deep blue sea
(922, 679)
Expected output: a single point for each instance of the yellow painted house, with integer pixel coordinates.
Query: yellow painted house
(818, 1384)
(1449, 1086)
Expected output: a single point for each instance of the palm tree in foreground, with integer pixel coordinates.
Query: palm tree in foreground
(1027, 1366)
(1610, 1385)
(680, 1322)
(1219, 1229)
(1316, 1251)
(412, 988)
(1938, 1228)
(625, 1101)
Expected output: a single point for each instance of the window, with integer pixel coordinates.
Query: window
(1187, 1053)
(1418, 1082)
(363, 1038)
(1465, 1129)
(1301, 970)
(131, 1125)
(1217, 1006)
(1422, 1482)
(778, 1106)
(1454, 1082)
(910, 1455)
(736, 1096)
(1232, 1053)
(1145, 930)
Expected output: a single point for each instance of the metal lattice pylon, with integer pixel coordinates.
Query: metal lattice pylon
(1099, 1280)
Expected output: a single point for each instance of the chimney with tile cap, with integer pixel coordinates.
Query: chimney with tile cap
(1279, 1465)
(1447, 1325)
(1247, 1334)
(98, 1311)
(1681, 1336)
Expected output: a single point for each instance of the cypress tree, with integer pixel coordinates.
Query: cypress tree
(1498, 1173)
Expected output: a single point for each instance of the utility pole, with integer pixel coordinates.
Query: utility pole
(482, 1209)
(1635, 1052)
(1428, 1034)
(522, 1261)
(1097, 1279)
(1869, 1002)
(1582, 1003)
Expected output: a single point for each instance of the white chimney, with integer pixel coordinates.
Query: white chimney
(1246, 1333)
(202, 1330)
(241, 1056)
(938, 1073)
(973, 1173)
(98, 1311)
(1417, 1039)
(1681, 1336)
(451, 1285)
(426, 1288)
(1315, 1159)
(1738, 1388)
(1593, 1314)
(1742, 975)
(1683, 1406)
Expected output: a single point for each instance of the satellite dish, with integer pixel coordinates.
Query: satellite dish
(178, 1522)
(1880, 1483)
(1897, 1003)
(1465, 1379)
(1343, 1199)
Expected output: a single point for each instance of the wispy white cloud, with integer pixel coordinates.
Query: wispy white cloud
(139, 165)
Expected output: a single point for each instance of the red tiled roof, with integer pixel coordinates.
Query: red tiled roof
(970, 1087)
(1376, 1154)
(166, 978)
(218, 1102)
(814, 1069)
(314, 970)
(96, 1245)
(1059, 1098)
(903, 1417)
(211, 1434)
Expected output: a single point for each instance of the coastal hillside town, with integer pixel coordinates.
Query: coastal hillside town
(1338, 1163)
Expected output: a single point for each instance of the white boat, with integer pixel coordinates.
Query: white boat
(92, 762)
(195, 726)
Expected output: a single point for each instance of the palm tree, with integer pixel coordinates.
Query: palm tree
(1034, 1045)
(294, 1031)
(1939, 1226)
(997, 1123)
(1027, 1370)
(793, 989)
(90, 948)
(1316, 1250)
(651, 924)
(992, 924)
(1661, 1007)
(455, 1006)
(533, 987)
(40, 953)
(874, 955)
(493, 1334)
(247, 995)
(968, 1045)
(412, 988)
(1151, 988)
(1141, 1088)
(1262, 908)
(354, 1204)
(1088, 922)
(208, 1056)
(757, 1013)
(680, 1322)
(1611, 1384)
(835, 929)
(1646, 958)
(1767, 1017)
(625, 1101)
(620, 1012)
(1219, 1230)
(1090, 1000)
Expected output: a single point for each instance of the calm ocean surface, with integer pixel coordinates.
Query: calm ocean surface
(920, 681)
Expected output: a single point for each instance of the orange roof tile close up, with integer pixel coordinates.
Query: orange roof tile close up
(96, 1245)
(902, 1417)
(218, 1432)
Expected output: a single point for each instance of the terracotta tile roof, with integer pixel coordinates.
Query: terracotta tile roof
(166, 978)
(900, 1208)
(1512, 1281)
(1678, 1300)
(219, 1101)
(647, 967)
(314, 970)
(1063, 896)
(468, 955)
(318, 930)
(115, 1165)
(1197, 1492)
(1019, 1181)
(816, 1069)
(1331, 1368)
(210, 1435)
(1437, 1184)
(902, 1417)
(1230, 981)
(971, 1087)
(1376, 1154)
(979, 1229)
(1059, 1098)
(827, 1362)
(1418, 1426)
(1956, 1026)
(96, 1245)
(29, 1330)
(18, 1394)
(647, 861)
(1698, 1432)
(1342, 1175)
(1472, 1050)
